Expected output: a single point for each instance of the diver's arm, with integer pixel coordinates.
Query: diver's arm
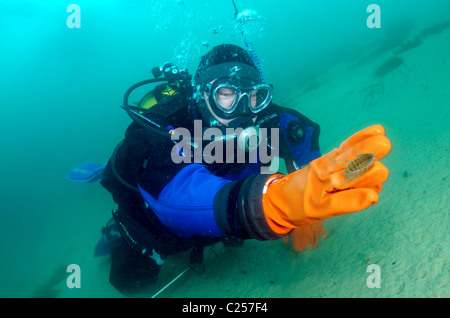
(197, 202)
(186, 203)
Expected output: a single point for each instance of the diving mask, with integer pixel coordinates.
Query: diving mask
(230, 100)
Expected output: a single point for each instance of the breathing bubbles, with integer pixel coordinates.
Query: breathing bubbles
(216, 30)
(186, 52)
(250, 23)
(246, 15)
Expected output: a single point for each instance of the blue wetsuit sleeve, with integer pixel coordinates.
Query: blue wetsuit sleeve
(186, 204)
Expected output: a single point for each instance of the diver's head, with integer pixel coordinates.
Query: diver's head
(229, 87)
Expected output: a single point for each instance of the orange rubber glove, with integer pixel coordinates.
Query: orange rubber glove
(318, 191)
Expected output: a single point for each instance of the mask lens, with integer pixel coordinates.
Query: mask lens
(225, 98)
(260, 98)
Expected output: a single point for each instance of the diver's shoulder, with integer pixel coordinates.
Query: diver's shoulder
(302, 118)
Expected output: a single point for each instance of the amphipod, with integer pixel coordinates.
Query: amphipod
(357, 166)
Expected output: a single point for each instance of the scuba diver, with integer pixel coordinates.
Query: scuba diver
(165, 207)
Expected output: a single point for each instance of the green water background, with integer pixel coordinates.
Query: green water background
(61, 89)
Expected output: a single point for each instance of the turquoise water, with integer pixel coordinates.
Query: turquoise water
(61, 90)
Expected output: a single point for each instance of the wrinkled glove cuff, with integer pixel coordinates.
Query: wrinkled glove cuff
(251, 209)
(239, 210)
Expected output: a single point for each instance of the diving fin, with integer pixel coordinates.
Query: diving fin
(87, 173)
(109, 239)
